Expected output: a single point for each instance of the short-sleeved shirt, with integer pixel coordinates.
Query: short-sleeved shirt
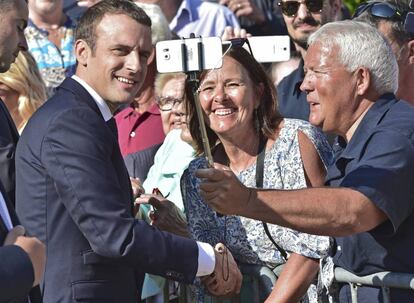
(55, 64)
(202, 18)
(139, 131)
(378, 162)
(291, 100)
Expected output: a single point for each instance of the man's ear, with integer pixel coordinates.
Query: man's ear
(336, 6)
(410, 45)
(363, 81)
(152, 56)
(82, 52)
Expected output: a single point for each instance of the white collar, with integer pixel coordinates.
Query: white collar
(103, 107)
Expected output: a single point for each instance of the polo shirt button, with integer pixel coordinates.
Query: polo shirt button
(132, 134)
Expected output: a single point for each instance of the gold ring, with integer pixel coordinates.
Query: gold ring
(228, 290)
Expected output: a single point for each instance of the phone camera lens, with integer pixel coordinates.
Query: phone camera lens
(167, 56)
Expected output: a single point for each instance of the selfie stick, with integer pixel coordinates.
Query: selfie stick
(194, 83)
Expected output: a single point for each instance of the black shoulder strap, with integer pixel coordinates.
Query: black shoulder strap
(259, 184)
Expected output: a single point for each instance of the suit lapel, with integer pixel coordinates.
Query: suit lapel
(81, 93)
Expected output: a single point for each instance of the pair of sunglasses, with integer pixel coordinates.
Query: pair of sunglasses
(290, 8)
(380, 10)
(388, 11)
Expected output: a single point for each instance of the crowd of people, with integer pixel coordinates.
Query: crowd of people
(107, 191)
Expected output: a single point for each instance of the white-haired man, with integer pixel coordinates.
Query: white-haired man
(367, 204)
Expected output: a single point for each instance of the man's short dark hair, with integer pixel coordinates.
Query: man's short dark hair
(398, 31)
(86, 28)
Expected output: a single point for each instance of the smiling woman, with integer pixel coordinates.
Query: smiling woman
(252, 140)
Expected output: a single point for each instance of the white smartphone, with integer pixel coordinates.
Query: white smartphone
(270, 48)
(188, 54)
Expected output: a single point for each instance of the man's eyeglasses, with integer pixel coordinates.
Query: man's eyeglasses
(167, 103)
(290, 8)
(388, 11)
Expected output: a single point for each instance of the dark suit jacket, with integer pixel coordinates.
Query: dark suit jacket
(16, 270)
(74, 193)
(138, 164)
(8, 140)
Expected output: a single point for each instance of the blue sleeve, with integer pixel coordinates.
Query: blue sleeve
(385, 175)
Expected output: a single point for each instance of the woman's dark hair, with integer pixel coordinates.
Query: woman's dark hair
(86, 27)
(268, 116)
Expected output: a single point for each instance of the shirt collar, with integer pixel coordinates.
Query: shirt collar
(186, 7)
(368, 123)
(298, 78)
(68, 24)
(129, 110)
(103, 107)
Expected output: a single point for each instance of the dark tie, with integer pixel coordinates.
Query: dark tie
(112, 126)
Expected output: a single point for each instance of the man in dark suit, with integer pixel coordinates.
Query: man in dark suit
(13, 20)
(73, 190)
(22, 258)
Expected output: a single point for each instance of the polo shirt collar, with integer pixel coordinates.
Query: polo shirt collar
(365, 129)
(298, 77)
(129, 110)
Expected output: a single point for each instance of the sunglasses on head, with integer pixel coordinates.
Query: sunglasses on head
(290, 8)
(388, 11)
(380, 10)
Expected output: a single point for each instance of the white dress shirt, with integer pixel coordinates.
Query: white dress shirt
(4, 213)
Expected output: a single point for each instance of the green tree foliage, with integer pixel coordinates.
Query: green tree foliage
(352, 4)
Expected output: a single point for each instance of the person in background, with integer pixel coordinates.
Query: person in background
(257, 17)
(22, 89)
(252, 140)
(140, 124)
(169, 91)
(202, 18)
(302, 18)
(162, 185)
(388, 16)
(49, 36)
(22, 258)
(367, 203)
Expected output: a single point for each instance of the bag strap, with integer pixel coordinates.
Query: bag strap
(259, 184)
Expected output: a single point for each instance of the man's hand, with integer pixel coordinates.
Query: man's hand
(234, 32)
(245, 8)
(137, 188)
(32, 246)
(221, 189)
(226, 279)
(166, 215)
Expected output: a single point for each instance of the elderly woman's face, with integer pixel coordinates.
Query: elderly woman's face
(229, 97)
(171, 105)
